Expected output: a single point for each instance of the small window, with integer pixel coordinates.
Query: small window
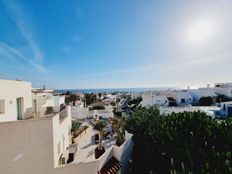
(2, 106)
(182, 100)
(224, 107)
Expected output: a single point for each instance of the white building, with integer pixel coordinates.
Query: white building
(182, 97)
(46, 102)
(218, 89)
(15, 100)
(22, 132)
(84, 113)
(40, 145)
(221, 89)
(226, 109)
(149, 99)
(197, 94)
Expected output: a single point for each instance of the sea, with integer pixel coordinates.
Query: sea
(111, 90)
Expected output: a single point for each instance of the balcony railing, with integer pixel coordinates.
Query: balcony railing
(63, 114)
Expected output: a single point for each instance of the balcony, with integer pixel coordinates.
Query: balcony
(63, 114)
(52, 111)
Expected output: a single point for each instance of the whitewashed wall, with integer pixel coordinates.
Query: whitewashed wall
(61, 135)
(27, 147)
(10, 90)
(152, 99)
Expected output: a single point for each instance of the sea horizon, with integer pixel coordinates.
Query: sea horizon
(110, 90)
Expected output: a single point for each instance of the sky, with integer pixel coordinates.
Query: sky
(73, 44)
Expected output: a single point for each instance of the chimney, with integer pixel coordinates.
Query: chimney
(44, 87)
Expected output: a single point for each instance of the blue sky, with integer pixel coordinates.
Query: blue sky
(111, 44)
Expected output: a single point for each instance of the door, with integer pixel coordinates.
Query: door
(230, 111)
(19, 108)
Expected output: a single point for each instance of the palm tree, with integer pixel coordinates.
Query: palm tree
(99, 126)
(73, 98)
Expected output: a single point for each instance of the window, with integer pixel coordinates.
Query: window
(2, 106)
(224, 107)
(182, 100)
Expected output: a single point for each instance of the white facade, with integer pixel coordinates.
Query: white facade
(15, 100)
(61, 134)
(34, 144)
(41, 101)
(226, 109)
(30, 148)
(149, 99)
(182, 97)
(221, 89)
(201, 92)
(38, 145)
(24, 130)
(84, 113)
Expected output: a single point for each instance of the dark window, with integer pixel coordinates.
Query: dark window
(182, 100)
(224, 107)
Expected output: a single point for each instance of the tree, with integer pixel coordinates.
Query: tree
(98, 107)
(71, 98)
(75, 126)
(90, 98)
(206, 101)
(222, 98)
(99, 95)
(179, 143)
(99, 126)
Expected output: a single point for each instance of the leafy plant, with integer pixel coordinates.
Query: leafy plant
(206, 101)
(99, 126)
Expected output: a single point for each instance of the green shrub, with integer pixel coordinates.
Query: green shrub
(206, 101)
(98, 107)
(179, 143)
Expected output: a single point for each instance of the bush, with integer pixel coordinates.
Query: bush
(75, 126)
(179, 143)
(222, 98)
(206, 101)
(98, 107)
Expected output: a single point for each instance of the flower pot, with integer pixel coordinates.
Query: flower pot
(99, 152)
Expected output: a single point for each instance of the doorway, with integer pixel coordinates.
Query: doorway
(20, 108)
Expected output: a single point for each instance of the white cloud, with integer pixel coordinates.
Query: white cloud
(18, 16)
(14, 54)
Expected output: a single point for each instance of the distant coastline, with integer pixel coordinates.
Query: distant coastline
(110, 90)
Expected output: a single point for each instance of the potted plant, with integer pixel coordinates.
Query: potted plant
(117, 125)
(99, 126)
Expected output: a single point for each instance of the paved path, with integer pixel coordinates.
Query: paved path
(86, 145)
